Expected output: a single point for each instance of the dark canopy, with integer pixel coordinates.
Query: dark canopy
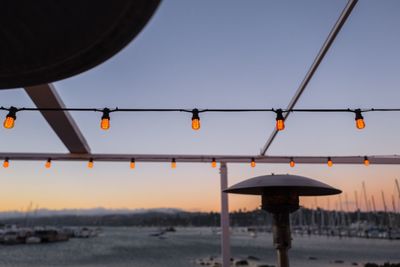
(47, 40)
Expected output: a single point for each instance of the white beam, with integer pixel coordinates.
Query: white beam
(374, 159)
(324, 49)
(45, 96)
(225, 234)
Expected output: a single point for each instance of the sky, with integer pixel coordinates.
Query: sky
(220, 54)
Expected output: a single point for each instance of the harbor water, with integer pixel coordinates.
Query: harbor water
(139, 247)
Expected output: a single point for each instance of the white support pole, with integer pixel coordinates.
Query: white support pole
(225, 235)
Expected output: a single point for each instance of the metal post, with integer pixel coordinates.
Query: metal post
(282, 237)
(225, 242)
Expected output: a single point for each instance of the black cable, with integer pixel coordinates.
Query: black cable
(202, 110)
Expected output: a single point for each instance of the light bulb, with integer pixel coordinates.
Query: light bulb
(280, 121)
(105, 119)
(292, 163)
(330, 162)
(366, 161)
(173, 163)
(213, 163)
(90, 163)
(6, 163)
(195, 119)
(253, 162)
(10, 118)
(48, 164)
(360, 124)
(132, 165)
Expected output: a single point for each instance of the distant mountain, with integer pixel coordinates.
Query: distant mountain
(84, 212)
(162, 217)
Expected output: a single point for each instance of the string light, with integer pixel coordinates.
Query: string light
(195, 119)
(360, 124)
(47, 165)
(213, 163)
(280, 121)
(6, 163)
(173, 163)
(366, 161)
(132, 164)
(330, 162)
(105, 119)
(10, 118)
(253, 162)
(292, 163)
(90, 163)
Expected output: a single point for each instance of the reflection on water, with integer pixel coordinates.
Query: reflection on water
(136, 247)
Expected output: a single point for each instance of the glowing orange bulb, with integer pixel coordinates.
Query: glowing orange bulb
(90, 164)
(195, 124)
(292, 163)
(173, 164)
(366, 161)
(48, 164)
(253, 163)
(9, 122)
(213, 163)
(10, 118)
(195, 119)
(280, 125)
(6, 163)
(105, 119)
(280, 121)
(330, 162)
(132, 165)
(360, 124)
(105, 124)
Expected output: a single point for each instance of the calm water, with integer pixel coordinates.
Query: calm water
(134, 247)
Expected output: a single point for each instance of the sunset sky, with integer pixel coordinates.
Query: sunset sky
(220, 54)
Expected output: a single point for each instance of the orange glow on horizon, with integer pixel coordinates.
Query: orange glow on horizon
(120, 200)
(183, 189)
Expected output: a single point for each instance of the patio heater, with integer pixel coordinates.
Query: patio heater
(280, 196)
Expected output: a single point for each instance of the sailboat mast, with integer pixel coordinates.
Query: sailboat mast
(365, 196)
(373, 203)
(347, 209)
(366, 201)
(398, 192)
(357, 208)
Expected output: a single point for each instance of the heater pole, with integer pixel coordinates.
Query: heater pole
(225, 242)
(282, 237)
